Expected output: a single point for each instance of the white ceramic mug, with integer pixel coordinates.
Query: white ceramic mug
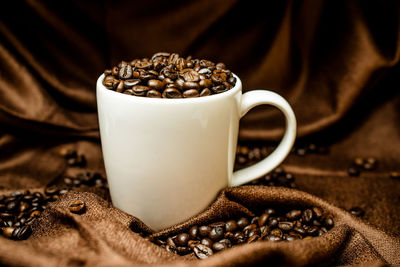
(167, 159)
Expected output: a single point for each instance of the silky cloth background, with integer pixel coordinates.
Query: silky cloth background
(335, 61)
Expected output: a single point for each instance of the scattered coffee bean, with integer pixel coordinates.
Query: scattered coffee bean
(353, 171)
(360, 164)
(311, 148)
(77, 207)
(182, 239)
(271, 225)
(395, 175)
(202, 251)
(78, 161)
(357, 211)
(22, 232)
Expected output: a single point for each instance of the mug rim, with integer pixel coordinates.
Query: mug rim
(225, 94)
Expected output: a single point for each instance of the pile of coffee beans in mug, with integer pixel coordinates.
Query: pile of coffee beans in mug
(167, 75)
(273, 224)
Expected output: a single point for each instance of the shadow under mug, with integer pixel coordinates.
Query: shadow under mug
(167, 159)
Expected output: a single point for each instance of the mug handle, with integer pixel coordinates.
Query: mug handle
(250, 100)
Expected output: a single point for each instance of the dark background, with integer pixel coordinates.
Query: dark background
(336, 62)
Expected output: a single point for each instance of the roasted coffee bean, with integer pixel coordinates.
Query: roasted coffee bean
(136, 74)
(148, 75)
(183, 250)
(253, 238)
(63, 191)
(173, 58)
(22, 232)
(140, 90)
(160, 55)
(217, 224)
(216, 233)
(285, 226)
(239, 237)
(301, 151)
(262, 220)
(193, 243)
(249, 228)
(155, 84)
(109, 82)
(207, 242)
(273, 238)
(316, 223)
(190, 75)
(272, 222)
(254, 220)
(358, 161)
(131, 82)
(121, 64)
(78, 161)
(51, 190)
(23, 206)
(255, 231)
(293, 214)
(191, 93)
(194, 231)
(270, 211)
(206, 72)
(204, 230)
(68, 181)
(218, 76)
(125, 71)
(317, 212)
(220, 66)
(300, 230)
(395, 175)
(307, 216)
(352, 171)
(205, 83)
(12, 205)
(35, 213)
(191, 85)
(369, 164)
(171, 249)
(231, 226)
(232, 80)
(218, 89)
(218, 246)
(182, 239)
(205, 92)
(329, 223)
(313, 230)
(170, 242)
(202, 251)
(8, 231)
(143, 65)
(276, 232)
(77, 207)
(115, 71)
(243, 222)
(171, 93)
(357, 211)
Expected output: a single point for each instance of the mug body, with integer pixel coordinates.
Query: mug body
(167, 159)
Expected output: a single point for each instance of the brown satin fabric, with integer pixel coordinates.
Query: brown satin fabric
(335, 61)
